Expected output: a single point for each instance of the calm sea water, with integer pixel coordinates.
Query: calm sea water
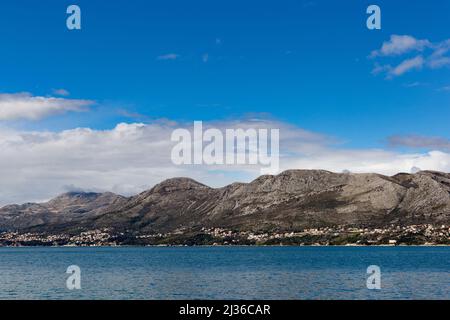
(226, 273)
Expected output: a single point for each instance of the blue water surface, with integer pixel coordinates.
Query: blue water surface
(225, 272)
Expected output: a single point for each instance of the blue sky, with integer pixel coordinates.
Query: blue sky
(301, 61)
(306, 63)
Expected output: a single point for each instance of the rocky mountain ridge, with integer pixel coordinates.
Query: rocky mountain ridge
(291, 201)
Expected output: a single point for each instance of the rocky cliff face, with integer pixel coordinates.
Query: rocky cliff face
(68, 209)
(293, 200)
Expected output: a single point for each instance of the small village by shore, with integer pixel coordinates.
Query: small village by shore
(328, 236)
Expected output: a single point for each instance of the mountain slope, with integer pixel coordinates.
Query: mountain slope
(66, 209)
(292, 200)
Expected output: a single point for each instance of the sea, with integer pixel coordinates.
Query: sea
(149, 273)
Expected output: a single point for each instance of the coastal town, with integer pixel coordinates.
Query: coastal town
(328, 236)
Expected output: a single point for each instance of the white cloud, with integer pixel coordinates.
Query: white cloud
(407, 65)
(439, 62)
(438, 58)
(433, 55)
(61, 92)
(416, 141)
(26, 106)
(133, 157)
(378, 161)
(377, 69)
(415, 170)
(169, 56)
(400, 44)
(413, 84)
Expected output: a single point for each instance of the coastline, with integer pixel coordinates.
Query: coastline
(241, 246)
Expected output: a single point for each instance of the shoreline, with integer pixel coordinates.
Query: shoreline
(242, 246)
(411, 235)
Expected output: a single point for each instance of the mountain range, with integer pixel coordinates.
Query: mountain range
(293, 200)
